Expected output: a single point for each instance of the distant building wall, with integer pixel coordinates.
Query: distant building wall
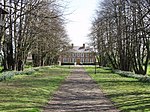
(78, 55)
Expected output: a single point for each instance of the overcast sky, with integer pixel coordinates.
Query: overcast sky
(80, 20)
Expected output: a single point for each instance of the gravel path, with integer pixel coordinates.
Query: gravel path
(79, 93)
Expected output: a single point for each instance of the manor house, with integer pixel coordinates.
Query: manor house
(78, 55)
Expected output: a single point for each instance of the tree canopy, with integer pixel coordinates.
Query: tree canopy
(34, 27)
(121, 32)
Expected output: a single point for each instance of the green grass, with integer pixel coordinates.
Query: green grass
(1, 68)
(128, 94)
(148, 70)
(30, 93)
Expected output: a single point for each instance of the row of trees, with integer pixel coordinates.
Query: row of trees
(121, 34)
(34, 27)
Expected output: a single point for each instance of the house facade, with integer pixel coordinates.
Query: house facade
(78, 55)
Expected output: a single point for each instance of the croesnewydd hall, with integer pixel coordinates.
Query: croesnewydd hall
(78, 55)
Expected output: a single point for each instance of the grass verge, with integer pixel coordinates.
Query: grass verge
(29, 93)
(128, 94)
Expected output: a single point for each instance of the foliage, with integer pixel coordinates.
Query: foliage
(1, 68)
(148, 70)
(11, 74)
(128, 94)
(30, 93)
(143, 78)
(140, 77)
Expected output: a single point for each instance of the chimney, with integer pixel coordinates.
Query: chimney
(83, 45)
(71, 45)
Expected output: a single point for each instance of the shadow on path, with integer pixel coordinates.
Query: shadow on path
(79, 93)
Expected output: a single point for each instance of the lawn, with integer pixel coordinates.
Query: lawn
(128, 94)
(148, 70)
(29, 93)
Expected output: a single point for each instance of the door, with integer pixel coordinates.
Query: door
(78, 61)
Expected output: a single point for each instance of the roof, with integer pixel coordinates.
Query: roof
(81, 49)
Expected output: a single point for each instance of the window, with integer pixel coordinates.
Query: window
(86, 60)
(72, 60)
(68, 60)
(91, 60)
(65, 60)
(87, 55)
(82, 60)
(73, 54)
(69, 54)
(82, 54)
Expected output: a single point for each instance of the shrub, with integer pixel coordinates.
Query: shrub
(7, 75)
(140, 77)
(10, 74)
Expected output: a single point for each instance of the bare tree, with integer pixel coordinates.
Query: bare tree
(121, 33)
(32, 26)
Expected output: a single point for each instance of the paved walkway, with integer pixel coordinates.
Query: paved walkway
(79, 93)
